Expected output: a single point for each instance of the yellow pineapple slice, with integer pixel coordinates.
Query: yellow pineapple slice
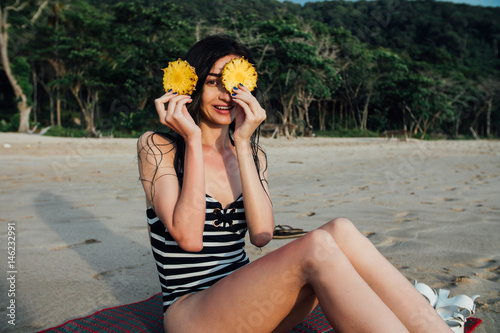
(239, 70)
(179, 76)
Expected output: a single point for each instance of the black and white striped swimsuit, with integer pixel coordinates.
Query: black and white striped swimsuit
(223, 252)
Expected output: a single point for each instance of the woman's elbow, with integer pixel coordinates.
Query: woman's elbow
(261, 239)
(191, 245)
(188, 237)
(189, 240)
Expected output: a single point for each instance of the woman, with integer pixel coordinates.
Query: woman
(206, 185)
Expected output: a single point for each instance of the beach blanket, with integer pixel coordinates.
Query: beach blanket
(147, 317)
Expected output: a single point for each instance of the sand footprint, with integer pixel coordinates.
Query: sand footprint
(369, 234)
(486, 268)
(448, 199)
(491, 274)
(360, 188)
(400, 267)
(406, 217)
(390, 241)
(112, 272)
(86, 242)
(307, 214)
(288, 203)
(462, 280)
(82, 206)
(491, 270)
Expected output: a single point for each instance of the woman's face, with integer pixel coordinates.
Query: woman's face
(217, 106)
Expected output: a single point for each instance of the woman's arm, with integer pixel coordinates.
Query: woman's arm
(258, 206)
(182, 210)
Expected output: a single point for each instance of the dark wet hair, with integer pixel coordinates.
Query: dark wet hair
(202, 56)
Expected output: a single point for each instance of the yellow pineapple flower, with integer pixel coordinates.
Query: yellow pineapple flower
(179, 76)
(239, 70)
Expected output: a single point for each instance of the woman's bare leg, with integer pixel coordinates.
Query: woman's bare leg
(390, 285)
(260, 296)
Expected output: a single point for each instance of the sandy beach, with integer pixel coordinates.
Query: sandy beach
(78, 213)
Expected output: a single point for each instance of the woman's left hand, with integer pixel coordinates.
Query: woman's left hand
(250, 117)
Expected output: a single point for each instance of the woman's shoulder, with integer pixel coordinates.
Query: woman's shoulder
(162, 137)
(159, 142)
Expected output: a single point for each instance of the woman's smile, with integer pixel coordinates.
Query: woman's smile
(224, 109)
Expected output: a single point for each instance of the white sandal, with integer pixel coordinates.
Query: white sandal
(454, 310)
(429, 293)
(454, 321)
(461, 304)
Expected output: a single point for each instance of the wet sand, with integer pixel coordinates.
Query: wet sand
(78, 212)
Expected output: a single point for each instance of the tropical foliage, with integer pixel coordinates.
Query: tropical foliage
(430, 68)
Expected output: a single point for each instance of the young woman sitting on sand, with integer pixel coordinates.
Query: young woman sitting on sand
(206, 186)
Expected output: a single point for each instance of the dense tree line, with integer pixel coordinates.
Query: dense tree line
(431, 68)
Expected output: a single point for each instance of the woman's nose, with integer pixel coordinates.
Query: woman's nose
(224, 95)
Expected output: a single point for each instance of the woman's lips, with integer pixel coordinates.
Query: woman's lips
(224, 109)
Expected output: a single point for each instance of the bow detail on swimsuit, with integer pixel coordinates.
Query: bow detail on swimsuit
(224, 219)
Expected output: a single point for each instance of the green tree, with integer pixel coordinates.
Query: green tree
(420, 65)
(146, 38)
(16, 67)
(80, 56)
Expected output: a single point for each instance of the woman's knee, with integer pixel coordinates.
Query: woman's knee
(340, 227)
(320, 247)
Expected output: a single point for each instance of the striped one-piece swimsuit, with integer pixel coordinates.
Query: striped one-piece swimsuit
(223, 252)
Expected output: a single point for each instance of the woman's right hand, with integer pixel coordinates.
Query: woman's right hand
(173, 113)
